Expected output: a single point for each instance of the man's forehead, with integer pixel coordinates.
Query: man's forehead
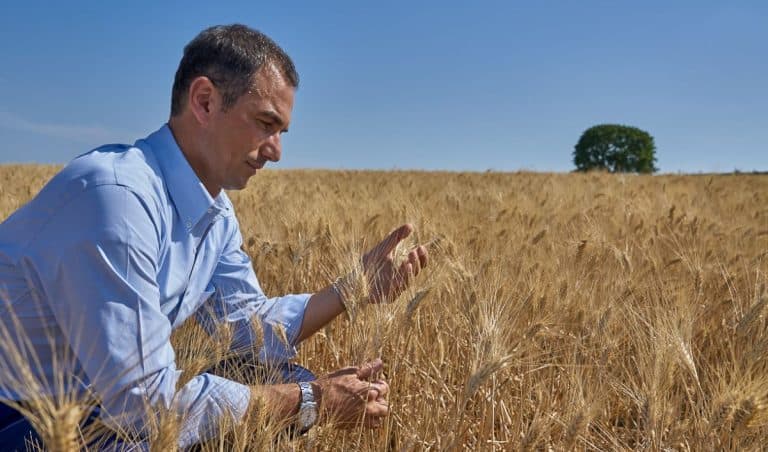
(267, 80)
(271, 94)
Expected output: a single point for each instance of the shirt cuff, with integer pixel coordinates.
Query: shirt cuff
(202, 418)
(287, 314)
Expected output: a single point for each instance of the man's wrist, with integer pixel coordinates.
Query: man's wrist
(338, 291)
(281, 400)
(350, 290)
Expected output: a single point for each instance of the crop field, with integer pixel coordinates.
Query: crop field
(558, 312)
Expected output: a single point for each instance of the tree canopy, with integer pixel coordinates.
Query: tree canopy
(616, 148)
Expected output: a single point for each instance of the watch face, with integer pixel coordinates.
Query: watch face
(308, 415)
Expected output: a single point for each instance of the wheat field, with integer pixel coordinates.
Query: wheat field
(559, 311)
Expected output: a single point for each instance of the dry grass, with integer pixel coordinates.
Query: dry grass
(563, 311)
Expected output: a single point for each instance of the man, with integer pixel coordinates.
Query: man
(127, 242)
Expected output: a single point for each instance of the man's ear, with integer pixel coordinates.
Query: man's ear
(203, 99)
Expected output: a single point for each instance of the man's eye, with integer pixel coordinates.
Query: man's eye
(269, 126)
(266, 126)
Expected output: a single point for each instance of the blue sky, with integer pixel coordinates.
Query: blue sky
(424, 85)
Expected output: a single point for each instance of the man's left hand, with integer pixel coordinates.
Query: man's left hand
(386, 278)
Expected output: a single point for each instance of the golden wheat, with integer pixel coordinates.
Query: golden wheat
(560, 311)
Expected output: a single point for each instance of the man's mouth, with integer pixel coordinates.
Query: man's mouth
(255, 165)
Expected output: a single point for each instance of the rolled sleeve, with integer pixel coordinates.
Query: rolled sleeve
(103, 292)
(206, 400)
(270, 324)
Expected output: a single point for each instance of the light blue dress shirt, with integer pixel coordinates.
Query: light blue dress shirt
(116, 251)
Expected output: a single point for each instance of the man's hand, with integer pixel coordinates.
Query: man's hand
(386, 279)
(351, 396)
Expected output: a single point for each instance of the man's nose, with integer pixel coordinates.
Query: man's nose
(273, 149)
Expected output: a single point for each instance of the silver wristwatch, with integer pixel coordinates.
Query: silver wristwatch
(307, 408)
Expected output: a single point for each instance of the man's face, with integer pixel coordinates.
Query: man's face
(247, 135)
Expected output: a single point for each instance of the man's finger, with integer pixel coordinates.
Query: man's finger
(343, 371)
(423, 255)
(377, 409)
(378, 390)
(413, 259)
(390, 242)
(405, 274)
(383, 387)
(368, 370)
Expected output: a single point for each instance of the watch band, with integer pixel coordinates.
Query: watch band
(307, 408)
(307, 394)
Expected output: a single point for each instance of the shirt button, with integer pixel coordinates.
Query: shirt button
(210, 210)
(189, 225)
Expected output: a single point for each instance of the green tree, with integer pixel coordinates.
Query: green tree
(615, 148)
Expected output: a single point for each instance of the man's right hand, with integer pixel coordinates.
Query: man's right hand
(353, 396)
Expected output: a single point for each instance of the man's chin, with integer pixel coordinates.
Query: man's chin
(237, 185)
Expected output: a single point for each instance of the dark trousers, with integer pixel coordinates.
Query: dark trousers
(16, 430)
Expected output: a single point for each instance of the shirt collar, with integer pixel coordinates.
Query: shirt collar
(189, 196)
